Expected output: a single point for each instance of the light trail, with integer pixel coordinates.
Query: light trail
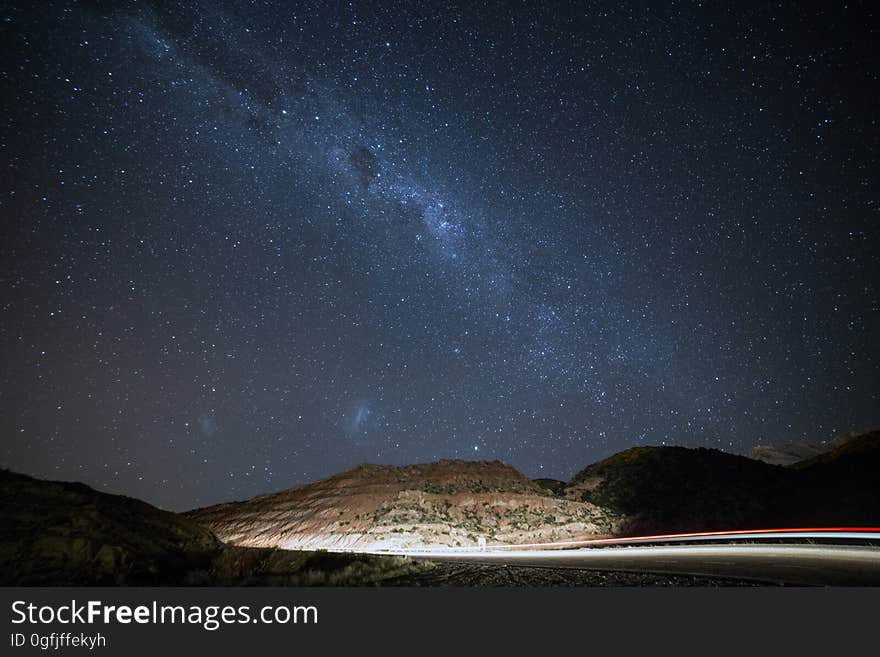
(806, 533)
(856, 533)
(810, 565)
(799, 563)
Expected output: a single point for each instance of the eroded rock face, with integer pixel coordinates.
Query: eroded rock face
(68, 534)
(446, 503)
(643, 490)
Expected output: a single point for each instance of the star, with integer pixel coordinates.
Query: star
(302, 242)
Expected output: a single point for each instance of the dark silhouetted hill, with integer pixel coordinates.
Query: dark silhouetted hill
(68, 533)
(675, 489)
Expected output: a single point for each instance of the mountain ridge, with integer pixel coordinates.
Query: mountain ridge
(60, 532)
(646, 489)
(442, 503)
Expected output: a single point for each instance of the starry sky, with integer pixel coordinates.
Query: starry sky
(249, 244)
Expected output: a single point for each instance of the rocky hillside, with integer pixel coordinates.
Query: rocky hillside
(61, 534)
(68, 533)
(642, 490)
(857, 451)
(446, 503)
(785, 454)
(792, 453)
(674, 489)
(64, 533)
(841, 485)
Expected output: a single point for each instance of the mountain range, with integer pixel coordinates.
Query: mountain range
(68, 533)
(637, 491)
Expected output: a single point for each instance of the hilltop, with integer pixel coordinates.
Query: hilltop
(796, 454)
(68, 533)
(676, 489)
(640, 490)
(446, 503)
(56, 532)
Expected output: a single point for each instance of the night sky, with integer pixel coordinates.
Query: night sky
(245, 247)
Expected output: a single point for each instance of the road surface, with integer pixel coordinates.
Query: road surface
(733, 554)
(783, 564)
